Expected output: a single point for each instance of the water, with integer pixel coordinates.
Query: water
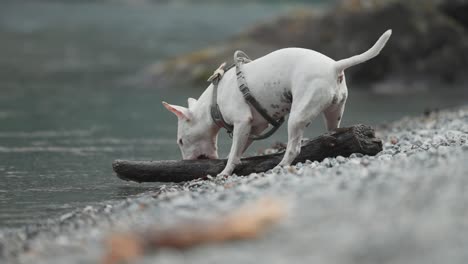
(65, 115)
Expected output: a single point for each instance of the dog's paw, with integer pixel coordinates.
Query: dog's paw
(277, 168)
(224, 174)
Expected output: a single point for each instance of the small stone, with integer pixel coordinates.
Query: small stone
(400, 155)
(291, 169)
(341, 159)
(387, 152)
(356, 155)
(65, 216)
(88, 209)
(108, 208)
(365, 162)
(277, 169)
(385, 157)
(326, 162)
(333, 162)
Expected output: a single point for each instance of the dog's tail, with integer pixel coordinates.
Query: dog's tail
(342, 65)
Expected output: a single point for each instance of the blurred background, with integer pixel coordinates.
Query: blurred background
(81, 82)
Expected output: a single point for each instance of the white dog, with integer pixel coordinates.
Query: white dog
(301, 82)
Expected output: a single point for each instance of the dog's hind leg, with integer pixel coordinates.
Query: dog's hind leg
(303, 111)
(333, 116)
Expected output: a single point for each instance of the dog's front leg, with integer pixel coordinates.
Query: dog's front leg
(240, 137)
(255, 131)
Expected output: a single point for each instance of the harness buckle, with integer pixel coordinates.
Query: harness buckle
(218, 73)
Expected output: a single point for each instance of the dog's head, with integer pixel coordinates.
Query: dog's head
(195, 137)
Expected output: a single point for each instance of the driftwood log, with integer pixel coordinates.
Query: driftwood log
(341, 142)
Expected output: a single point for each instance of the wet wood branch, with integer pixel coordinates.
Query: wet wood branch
(342, 142)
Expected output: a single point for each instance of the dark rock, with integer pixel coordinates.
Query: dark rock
(457, 9)
(429, 42)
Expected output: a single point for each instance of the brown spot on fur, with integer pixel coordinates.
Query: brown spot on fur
(275, 106)
(340, 78)
(343, 98)
(286, 97)
(335, 99)
(339, 118)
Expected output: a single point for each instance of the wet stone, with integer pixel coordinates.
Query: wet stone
(356, 155)
(385, 157)
(341, 159)
(410, 182)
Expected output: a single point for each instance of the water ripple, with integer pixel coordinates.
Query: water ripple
(55, 149)
(48, 134)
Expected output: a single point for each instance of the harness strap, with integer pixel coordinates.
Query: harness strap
(214, 108)
(239, 58)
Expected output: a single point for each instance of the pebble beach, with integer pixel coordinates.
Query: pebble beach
(408, 204)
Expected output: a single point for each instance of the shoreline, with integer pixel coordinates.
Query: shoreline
(405, 201)
(423, 39)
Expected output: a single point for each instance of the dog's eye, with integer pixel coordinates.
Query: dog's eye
(181, 142)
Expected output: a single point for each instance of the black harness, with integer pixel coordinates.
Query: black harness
(240, 58)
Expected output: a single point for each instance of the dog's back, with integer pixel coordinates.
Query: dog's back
(273, 77)
(277, 77)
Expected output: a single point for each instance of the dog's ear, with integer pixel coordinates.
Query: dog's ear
(180, 111)
(191, 102)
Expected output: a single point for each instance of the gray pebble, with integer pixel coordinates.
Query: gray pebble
(330, 201)
(356, 155)
(385, 157)
(341, 159)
